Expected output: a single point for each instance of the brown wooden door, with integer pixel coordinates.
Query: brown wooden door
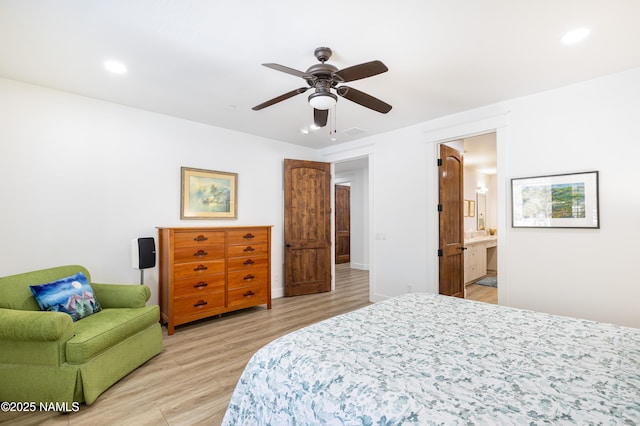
(307, 227)
(343, 224)
(451, 253)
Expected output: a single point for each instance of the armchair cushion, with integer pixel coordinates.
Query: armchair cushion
(105, 329)
(72, 295)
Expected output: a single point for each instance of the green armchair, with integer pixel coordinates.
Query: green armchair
(46, 357)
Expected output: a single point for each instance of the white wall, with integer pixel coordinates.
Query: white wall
(79, 178)
(579, 272)
(594, 125)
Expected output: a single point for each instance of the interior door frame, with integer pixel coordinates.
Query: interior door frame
(349, 155)
(443, 133)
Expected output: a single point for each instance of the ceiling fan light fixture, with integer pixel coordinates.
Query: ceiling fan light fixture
(323, 100)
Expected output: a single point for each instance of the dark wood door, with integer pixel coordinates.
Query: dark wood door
(307, 227)
(343, 224)
(451, 253)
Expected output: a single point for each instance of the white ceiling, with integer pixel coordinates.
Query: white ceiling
(200, 59)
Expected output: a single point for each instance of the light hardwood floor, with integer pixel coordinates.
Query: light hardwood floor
(483, 293)
(191, 381)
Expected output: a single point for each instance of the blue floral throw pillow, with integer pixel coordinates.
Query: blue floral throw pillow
(72, 295)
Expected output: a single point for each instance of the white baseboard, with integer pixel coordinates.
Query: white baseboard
(361, 266)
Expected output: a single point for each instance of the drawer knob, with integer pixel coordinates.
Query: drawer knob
(200, 238)
(201, 284)
(248, 262)
(248, 277)
(200, 303)
(249, 294)
(200, 253)
(248, 236)
(200, 268)
(249, 248)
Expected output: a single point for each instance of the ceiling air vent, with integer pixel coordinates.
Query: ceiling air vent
(354, 131)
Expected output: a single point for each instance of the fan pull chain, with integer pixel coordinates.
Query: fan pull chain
(332, 129)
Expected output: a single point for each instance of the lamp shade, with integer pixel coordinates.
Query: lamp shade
(323, 100)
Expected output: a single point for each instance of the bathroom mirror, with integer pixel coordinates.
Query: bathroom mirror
(481, 210)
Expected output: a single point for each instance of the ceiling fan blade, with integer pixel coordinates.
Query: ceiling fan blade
(320, 117)
(357, 72)
(280, 98)
(363, 99)
(287, 70)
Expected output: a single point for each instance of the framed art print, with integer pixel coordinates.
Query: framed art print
(556, 201)
(208, 194)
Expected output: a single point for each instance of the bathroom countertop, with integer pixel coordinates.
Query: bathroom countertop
(480, 239)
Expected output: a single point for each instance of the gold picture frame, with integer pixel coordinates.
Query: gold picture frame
(472, 208)
(208, 194)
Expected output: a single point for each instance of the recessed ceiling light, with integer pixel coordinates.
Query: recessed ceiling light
(304, 131)
(575, 36)
(115, 67)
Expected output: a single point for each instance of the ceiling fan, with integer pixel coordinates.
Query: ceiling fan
(323, 78)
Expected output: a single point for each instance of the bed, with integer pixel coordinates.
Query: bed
(429, 359)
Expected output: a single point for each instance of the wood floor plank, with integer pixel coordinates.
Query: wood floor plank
(482, 293)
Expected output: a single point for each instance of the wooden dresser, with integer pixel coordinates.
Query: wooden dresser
(207, 271)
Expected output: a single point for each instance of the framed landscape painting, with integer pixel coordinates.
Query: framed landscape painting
(208, 194)
(556, 201)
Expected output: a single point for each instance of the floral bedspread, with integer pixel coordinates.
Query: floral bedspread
(434, 360)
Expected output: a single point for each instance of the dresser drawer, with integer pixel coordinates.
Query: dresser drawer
(248, 236)
(239, 279)
(198, 269)
(198, 285)
(247, 250)
(247, 296)
(199, 306)
(247, 263)
(198, 238)
(198, 254)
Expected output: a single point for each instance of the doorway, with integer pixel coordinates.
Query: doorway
(353, 174)
(480, 217)
(468, 217)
